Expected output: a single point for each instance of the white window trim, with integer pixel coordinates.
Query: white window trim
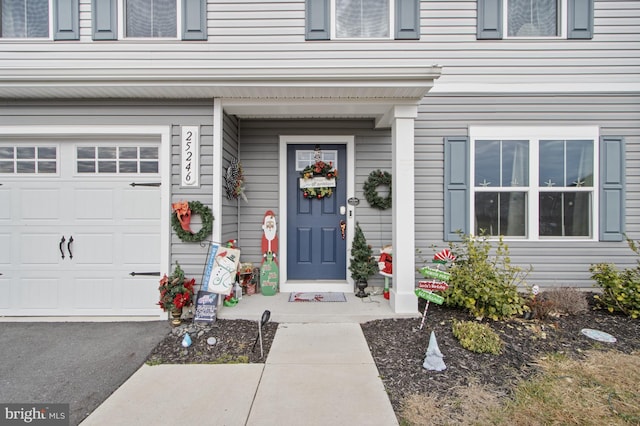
(122, 24)
(534, 134)
(392, 28)
(563, 16)
(31, 39)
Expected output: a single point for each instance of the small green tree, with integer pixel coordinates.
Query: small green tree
(363, 264)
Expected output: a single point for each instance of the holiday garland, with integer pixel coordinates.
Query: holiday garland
(182, 217)
(318, 169)
(377, 178)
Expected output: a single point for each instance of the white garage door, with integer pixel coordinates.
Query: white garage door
(76, 237)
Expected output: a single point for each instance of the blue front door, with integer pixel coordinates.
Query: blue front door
(316, 247)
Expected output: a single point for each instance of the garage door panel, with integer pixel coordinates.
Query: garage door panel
(39, 293)
(5, 289)
(140, 203)
(40, 204)
(141, 289)
(40, 248)
(93, 293)
(141, 249)
(5, 249)
(92, 204)
(5, 204)
(93, 249)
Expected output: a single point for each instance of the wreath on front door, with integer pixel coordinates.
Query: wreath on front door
(376, 179)
(180, 221)
(318, 169)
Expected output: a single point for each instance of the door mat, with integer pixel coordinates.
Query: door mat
(317, 297)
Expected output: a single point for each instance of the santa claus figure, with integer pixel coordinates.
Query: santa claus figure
(385, 260)
(269, 237)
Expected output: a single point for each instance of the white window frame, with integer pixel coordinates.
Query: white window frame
(334, 35)
(562, 23)
(534, 134)
(50, 37)
(122, 24)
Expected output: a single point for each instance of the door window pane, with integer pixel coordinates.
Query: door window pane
(532, 18)
(362, 18)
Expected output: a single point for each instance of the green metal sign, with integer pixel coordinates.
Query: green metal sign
(431, 297)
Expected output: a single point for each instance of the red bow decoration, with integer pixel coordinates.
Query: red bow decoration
(183, 212)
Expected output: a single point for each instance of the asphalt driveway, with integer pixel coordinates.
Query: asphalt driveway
(79, 363)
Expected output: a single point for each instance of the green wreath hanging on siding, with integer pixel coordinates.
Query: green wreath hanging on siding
(180, 221)
(377, 178)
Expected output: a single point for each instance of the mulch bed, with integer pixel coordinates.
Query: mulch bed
(398, 348)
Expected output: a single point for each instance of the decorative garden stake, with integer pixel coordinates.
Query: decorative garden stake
(433, 357)
(426, 288)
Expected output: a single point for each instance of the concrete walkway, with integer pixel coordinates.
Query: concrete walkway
(315, 374)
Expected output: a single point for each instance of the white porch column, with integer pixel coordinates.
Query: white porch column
(216, 231)
(402, 297)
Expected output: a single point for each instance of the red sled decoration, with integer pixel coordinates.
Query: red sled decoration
(433, 285)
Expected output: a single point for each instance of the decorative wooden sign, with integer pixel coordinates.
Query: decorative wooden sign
(269, 271)
(433, 285)
(221, 269)
(434, 273)
(317, 182)
(190, 166)
(429, 297)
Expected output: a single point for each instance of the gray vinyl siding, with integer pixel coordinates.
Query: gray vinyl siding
(555, 264)
(230, 208)
(272, 33)
(166, 113)
(259, 154)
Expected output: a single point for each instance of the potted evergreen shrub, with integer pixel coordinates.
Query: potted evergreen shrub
(363, 264)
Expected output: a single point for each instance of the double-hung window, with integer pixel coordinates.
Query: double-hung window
(570, 19)
(534, 183)
(362, 18)
(25, 18)
(151, 18)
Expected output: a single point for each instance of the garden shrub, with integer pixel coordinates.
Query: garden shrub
(477, 337)
(484, 284)
(566, 300)
(621, 289)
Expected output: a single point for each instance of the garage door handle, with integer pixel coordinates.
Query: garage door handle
(155, 274)
(134, 184)
(61, 246)
(69, 247)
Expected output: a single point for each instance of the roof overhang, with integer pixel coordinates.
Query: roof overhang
(249, 91)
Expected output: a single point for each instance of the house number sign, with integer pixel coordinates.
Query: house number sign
(190, 167)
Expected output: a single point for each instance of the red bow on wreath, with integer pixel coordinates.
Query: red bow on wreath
(183, 212)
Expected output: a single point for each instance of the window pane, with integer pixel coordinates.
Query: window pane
(501, 213)
(579, 163)
(149, 153)
(128, 152)
(148, 167)
(26, 166)
(565, 214)
(26, 152)
(362, 18)
(86, 167)
(515, 163)
(551, 169)
(25, 18)
(6, 152)
(6, 167)
(532, 18)
(46, 166)
(106, 152)
(48, 153)
(107, 167)
(86, 152)
(151, 18)
(128, 167)
(487, 163)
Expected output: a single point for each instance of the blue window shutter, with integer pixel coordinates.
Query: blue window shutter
(489, 20)
(407, 20)
(456, 187)
(65, 20)
(194, 19)
(104, 18)
(580, 23)
(317, 20)
(612, 188)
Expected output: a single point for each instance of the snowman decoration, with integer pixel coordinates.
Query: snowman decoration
(223, 272)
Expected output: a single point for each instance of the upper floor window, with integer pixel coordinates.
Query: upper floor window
(24, 18)
(151, 18)
(533, 18)
(363, 18)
